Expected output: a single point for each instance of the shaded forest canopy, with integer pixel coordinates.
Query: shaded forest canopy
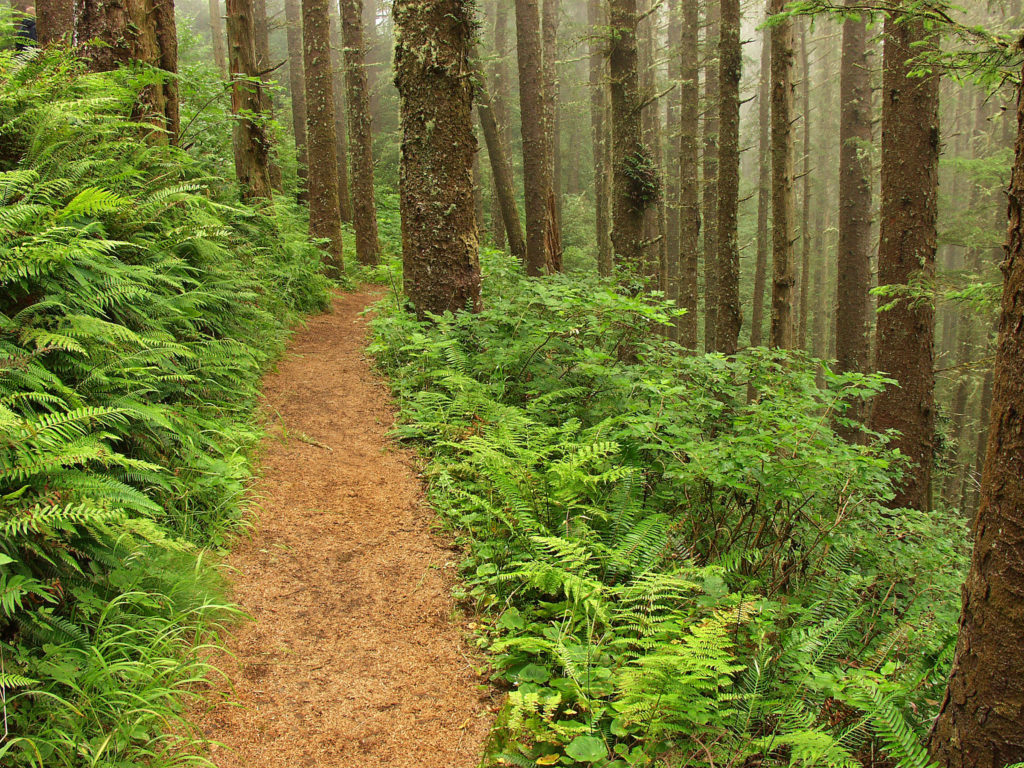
(703, 314)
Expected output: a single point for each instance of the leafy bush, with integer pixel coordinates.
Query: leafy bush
(140, 304)
(677, 558)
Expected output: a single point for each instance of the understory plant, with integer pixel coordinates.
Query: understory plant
(139, 304)
(676, 559)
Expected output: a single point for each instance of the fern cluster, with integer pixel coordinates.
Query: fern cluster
(139, 303)
(678, 560)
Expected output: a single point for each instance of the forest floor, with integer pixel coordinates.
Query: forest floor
(356, 655)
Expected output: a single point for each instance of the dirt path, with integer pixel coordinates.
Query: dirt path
(356, 657)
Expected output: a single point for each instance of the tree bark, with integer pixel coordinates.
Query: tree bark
(670, 160)
(263, 65)
(764, 192)
(499, 97)
(906, 256)
(783, 331)
(600, 133)
(979, 722)
(537, 182)
(549, 23)
(324, 210)
(805, 202)
(501, 171)
(689, 172)
(634, 182)
(220, 56)
(364, 208)
(709, 202)
(439, 235)
(297, 89)
(54, 20)
(111, 34)
(728, 316)
(340, 127)
(853, 283)
(250, 142)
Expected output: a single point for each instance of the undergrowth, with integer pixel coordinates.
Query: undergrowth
(676, 559)
(140, 303)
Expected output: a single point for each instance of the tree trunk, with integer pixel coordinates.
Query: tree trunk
(670, 160)
(324, 210)
(709, 203)
(689, 170)
(728, 316)
(439, 235)
(220, 55)
(764, 192)
(537, 182)
(501, 171)
(783, 330)
(263, 65)
(979, 722)
(599, 130)
(805, 203)
(549, 24)
(499, 106)
(340, 127)
(364, 209)
(853, 341)
(109, 34)
(250, 142)
(634, 182)
(906, 256)
(55, 20)
(297, 89)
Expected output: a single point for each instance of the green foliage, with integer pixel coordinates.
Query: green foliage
(677, 559)
(140, 303)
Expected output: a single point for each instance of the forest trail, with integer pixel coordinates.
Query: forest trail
(355, 657)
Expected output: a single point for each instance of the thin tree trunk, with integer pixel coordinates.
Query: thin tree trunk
(764, 192)
(634, 182)
(340, 118)
(805, 203)
(499, 106)
(599, 129)
(297, 89)
(549, 23)
(501, 171)
(364, 208)
(979, 722)
(689, 170)
(783, 330)
(906, 255)
(670, 159)
(55, 20)
(220, 55)
(439, 235)
(709, 202)
(249, 138)
(853, 340)
(728, 316)
(537, 180)
(109, 35)
(324, 211)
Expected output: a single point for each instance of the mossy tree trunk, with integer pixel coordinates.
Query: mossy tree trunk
(297, 88)
(979, 722)
(906, 255)
(250, 141)
(54, 20)
(360, 136)
(634, 180)
(324, 211)
(728, 316)
(340, 119)
(709, 160)
(600, 135)
(263, 66)
(112, 33)
(783, 327)
(764, 192)
(439, 234)
(220, 54)
(689, 172)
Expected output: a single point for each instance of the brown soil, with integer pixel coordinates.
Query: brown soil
(356, 657)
